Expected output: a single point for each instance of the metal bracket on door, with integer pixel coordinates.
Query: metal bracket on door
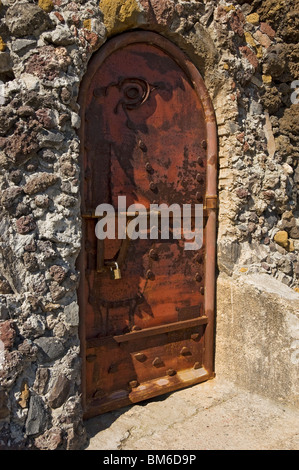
(211, 202)
(104, 265)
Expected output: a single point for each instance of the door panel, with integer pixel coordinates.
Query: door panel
(148, 133)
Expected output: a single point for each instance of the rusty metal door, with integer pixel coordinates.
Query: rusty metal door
(148, 133)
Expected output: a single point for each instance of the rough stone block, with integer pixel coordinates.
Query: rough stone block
(5, 62)
(39, 183)
(50, 348)
(7, 333)
(257, 335)
(26, 19)
(71, 314)
(59, 391)
(46, 5)
(37, 416)
(120, 15)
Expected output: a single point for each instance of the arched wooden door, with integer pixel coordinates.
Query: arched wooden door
(148, 133)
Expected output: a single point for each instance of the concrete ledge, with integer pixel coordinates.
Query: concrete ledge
(257, 336)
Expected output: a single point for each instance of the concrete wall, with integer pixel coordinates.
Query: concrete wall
(257, 341)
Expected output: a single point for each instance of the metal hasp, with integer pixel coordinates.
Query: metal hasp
(147, 306)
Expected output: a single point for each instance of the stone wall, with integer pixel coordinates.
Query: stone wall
(247, 54)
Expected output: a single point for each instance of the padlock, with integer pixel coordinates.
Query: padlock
(115, 272)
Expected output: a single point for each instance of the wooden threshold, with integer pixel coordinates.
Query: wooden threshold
(147, 390)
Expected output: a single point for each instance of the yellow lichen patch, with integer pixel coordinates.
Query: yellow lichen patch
(2, 45)
(253, 19)
(267, 79)
(296, 289)
(282, 239)
(225, 66)
(243, 270)
(46, 5)
(24, 397)
(229, 8)
(119, 14)
(249, 39)
(259, 53)
(87, 24)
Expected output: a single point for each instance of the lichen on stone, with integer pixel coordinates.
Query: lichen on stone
(2, 45)
(46, 5)
(120, 14)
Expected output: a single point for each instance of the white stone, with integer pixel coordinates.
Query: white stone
(30, 81)
(76, 121)
(71, 314)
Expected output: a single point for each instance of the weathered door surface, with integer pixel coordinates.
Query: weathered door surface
(148, 133)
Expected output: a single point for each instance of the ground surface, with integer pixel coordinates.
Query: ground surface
(214, 415)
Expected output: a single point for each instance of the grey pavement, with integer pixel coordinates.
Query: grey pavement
(214, 415)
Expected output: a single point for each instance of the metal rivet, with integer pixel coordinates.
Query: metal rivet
(200, 161)
(133, 384)
(171, 372)
(153, 254)
(153, 186)
(100, 393)
(185, 351)
(135, 328)
(140, 357)
(198, 277)
(195, 336)
(98, 92)
(112, 368)
(150, 275)
(202, 290)
(200, 178)
(199, 197)
(204, 144)
(148, 167)
(199, 259)
(157, 362)
(142, 146)
(197, 365)
(91, 358)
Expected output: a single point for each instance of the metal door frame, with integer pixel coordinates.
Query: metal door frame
(210, 203)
